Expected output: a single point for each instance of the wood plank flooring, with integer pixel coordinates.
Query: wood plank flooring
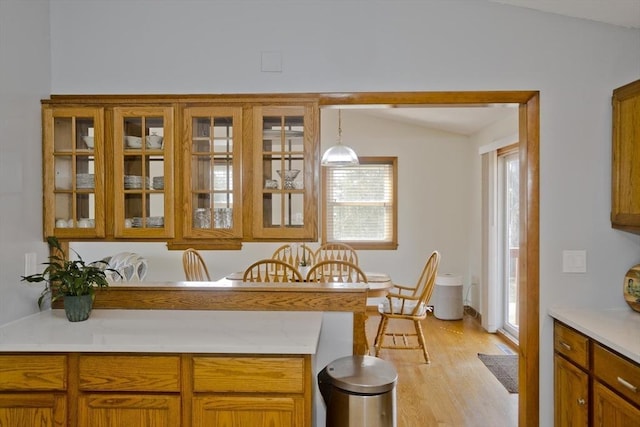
(456, 389)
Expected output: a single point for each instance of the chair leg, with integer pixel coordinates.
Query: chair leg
(421, 340)
(382, 328)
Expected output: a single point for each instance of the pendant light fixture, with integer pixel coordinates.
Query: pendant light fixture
(339, 154)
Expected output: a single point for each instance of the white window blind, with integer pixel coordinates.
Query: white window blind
(359, 202)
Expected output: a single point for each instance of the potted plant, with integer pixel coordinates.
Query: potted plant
(73, 280)
(304, 266)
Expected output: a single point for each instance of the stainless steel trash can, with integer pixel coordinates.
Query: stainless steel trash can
(359, 391)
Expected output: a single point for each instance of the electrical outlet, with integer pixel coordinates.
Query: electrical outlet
(30, 263)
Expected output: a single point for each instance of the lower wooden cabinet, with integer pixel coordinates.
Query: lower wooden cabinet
(594, 386)
(571, 386)
(155, 390)
(33, 409)
(259, 391)
(254, 411)
(33, 390)
(130, 409)
(611, 410)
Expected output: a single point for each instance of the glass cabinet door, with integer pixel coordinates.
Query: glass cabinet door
(143, 172)
(285, 178)
(212, 172)
(73, 169)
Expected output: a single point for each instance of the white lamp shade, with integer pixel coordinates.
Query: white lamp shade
(339, 155)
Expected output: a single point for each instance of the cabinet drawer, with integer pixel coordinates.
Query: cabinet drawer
(38, 372)
(249, 374)
(619, 373)
(129, 373)
(571, 344)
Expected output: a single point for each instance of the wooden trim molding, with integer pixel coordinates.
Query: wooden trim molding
(529, 149)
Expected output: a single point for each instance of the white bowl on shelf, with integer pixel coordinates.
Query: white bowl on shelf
(133, 141)
(88, 141)
(154, 141)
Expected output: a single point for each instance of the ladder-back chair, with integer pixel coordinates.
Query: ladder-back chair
(271, 270)
(195, 270)
(295, 254)
(336, 251)
(408, 304)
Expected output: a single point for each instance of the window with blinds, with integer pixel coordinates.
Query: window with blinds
(360, 204)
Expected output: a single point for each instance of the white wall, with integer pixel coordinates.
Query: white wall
(24, 80)
(208, 47)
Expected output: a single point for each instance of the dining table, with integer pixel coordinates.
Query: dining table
(379, 283)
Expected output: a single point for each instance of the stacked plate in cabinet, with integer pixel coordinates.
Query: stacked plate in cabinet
(85, 180)
(151, 222)
(158, 182)
(134, 182)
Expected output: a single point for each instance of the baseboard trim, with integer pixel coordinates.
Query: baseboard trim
(472, 312)
(508, 339)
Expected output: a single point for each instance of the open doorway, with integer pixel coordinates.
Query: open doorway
(528, 265)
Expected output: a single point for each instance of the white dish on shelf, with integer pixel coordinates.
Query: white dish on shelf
(88, 141)
(133, 141)
(277, 134)
(154, 141)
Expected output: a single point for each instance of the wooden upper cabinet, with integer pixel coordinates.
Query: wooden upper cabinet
(73, 168)
(285, 175)
(208, 172)
(625, 185)
(142, 179)
(212, 173)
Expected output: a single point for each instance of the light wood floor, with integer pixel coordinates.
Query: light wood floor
(455, 389)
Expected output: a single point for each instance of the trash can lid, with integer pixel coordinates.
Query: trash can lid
(362, 374)
(448, 279)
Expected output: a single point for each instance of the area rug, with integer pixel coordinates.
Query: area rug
(504, 367)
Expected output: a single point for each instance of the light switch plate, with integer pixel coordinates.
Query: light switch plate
(574, 261)
(29, 263)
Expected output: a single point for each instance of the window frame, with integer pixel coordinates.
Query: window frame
(392, 244)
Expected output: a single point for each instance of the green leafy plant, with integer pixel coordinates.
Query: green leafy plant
(68, 277)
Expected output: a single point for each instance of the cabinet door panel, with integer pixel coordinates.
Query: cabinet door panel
(611, 410)
(285, 178)
(229, 411)
(33, 372)
(73, 163)
(625, 186)
(33, 410)
(143, 172)
(212, 177)
(571, 394)
(129, 410)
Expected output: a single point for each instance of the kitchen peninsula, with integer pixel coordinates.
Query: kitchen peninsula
(233, 295)
(184, 353)
(161, 368)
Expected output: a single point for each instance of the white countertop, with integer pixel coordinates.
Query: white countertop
(166, 331)
(618, 329)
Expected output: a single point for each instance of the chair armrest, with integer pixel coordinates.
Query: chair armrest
(403, 287)
(400, 296)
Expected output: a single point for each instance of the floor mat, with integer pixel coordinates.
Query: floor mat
(504, 367)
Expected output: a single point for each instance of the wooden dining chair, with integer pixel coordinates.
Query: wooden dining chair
(336, 251)
(271, 270)
(295, 254)
(195, 270)
(408, 303)
(336, 271)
